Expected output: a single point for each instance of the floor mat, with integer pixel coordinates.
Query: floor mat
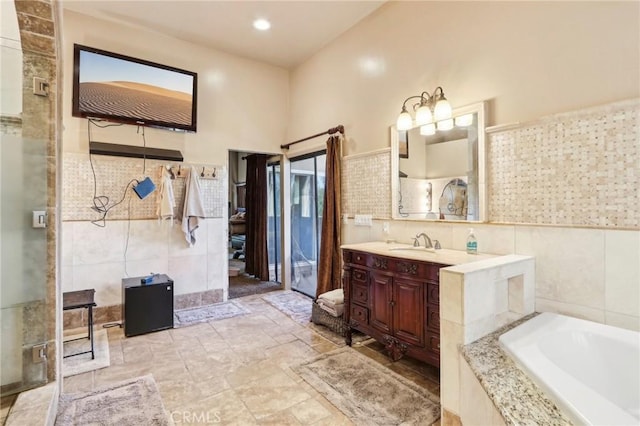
(367, 392)
(218, 311)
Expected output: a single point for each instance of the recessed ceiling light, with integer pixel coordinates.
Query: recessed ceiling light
(261, 24)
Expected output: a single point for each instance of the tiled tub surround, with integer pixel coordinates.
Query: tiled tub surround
(477, 298)
(495, 391)
(95, 257)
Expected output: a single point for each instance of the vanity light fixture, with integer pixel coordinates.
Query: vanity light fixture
(430, 109)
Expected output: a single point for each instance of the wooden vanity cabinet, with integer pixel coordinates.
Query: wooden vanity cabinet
(395, 301)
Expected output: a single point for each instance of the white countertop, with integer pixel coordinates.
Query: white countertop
(443, 256)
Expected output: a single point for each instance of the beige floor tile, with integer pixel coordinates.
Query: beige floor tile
(78, 383)
(189, 345)
(335, 420)
(292, 353)
(170, 371)
(251, 372)
(224, 408)
(237, 371)
(271, 394)
(282, 418)
(325, 346)
(284, 337)
(192, 331)
(116, 355)
(310, 337)
(179, 392)
(310, 411)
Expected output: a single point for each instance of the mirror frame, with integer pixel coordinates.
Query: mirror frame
(479, 108)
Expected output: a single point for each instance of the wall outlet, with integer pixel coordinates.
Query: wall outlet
(363, 220)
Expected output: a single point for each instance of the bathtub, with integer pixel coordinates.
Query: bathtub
(590, 370)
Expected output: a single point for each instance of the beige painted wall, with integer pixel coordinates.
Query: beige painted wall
(242, 104)
(529, 59)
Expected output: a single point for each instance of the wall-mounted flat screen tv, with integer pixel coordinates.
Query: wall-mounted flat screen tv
(133, 91)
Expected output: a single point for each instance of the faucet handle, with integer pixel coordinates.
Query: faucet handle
(416, 243)
(436, 245)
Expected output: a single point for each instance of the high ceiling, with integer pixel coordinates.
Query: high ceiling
(298, 28)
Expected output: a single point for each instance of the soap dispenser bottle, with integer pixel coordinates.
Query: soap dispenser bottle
(472, 243)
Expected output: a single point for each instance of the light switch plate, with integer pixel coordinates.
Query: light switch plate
(363, 220)
(40, 86)
(39, 219)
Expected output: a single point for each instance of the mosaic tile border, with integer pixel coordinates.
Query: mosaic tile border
(577, 168)
(113, 174)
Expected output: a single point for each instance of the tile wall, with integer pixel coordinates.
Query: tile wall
(98, 258)
(112, 176)
(578, 168)
(366, 184)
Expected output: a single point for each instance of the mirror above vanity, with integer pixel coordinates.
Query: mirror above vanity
(438, 169)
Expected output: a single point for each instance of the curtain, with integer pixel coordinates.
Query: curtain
(256, 256)
(330, 260)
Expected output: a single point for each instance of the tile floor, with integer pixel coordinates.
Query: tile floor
(237, 370)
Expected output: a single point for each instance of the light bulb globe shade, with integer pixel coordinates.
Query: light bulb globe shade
(423, 115)
(428, 129)
(442, 111)
(405, 122)
(445, 124)
(464, 120)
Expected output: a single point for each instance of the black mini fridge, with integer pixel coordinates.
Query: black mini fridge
(147, 306)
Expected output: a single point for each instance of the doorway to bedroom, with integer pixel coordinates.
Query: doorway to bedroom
(254, 245)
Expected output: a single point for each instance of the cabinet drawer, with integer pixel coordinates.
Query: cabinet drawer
(433, 293)
(360, 293)
(359, 258)
(359, 314)
(359, 276)
(433, 341)
(433, 317)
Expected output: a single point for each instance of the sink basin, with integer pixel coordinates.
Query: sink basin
(429, 250)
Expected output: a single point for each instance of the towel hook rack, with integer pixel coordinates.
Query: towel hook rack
(214, 172)
(202, 174)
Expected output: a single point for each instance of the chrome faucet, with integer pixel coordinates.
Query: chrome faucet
(427, 240)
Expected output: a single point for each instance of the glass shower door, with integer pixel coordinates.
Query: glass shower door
(23, 248)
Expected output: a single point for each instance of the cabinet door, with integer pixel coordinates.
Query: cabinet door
(380, 308)
(409, 310)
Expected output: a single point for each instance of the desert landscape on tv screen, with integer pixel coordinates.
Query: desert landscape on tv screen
(122, 88)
